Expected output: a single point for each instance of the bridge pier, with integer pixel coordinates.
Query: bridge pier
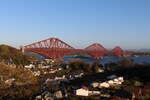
(22, 49)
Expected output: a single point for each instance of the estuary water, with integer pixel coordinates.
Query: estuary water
(109, 59)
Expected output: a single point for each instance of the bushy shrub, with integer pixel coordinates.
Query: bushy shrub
(79, 65)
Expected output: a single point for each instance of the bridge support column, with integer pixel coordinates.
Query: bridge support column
(22, 49)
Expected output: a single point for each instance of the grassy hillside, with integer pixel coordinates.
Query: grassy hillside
(12, 55)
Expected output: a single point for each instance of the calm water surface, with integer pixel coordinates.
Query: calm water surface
(110, 59)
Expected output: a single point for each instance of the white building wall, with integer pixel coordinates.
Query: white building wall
(82, 92)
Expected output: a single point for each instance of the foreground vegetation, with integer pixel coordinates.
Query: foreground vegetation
(17, 83)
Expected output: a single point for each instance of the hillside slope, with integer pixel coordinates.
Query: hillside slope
(10, 55)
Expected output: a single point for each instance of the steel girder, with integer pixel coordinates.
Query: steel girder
(54, 48)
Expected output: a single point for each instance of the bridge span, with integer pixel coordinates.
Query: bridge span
(55, 48)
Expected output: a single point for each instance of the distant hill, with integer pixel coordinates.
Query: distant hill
(144, 50)
(12, 55)
(139, 50)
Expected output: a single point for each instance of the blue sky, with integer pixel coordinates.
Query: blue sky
(78, 22)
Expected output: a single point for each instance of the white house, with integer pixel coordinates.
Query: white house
(44, 67)
(29, 66)
(121, 79)
(107, 84)
(94, 93)
(104, 85)
(111, 82)
(116, 80)
(36, 73)
(95, 84)
(82, 91)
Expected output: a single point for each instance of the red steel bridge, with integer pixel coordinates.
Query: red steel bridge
(54, 48)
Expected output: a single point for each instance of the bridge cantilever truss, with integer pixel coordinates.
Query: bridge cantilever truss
(54, 48)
